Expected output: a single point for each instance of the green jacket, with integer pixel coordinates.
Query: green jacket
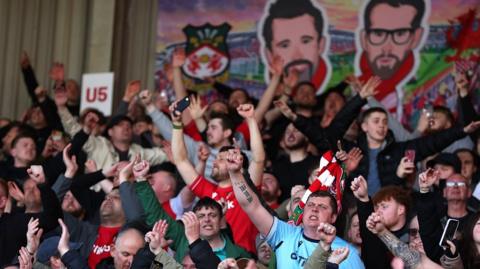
(176, 232)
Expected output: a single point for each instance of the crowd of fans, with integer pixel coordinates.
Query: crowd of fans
(217, 185)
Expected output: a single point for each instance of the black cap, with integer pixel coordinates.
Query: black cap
(118, 119)
(449, 159)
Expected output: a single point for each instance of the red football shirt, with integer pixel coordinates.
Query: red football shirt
(244, 231)
(102, 246)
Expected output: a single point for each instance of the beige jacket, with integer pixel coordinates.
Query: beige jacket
(101, 150)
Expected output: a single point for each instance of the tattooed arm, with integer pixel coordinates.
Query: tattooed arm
(411, 257)
(245, 196)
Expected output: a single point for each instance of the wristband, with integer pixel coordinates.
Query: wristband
(177, 126)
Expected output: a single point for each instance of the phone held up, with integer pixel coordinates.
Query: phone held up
(449, 232)
(183, 104)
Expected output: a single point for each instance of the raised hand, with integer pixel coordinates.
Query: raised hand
(36, 173)
(360, 189)
(24, 259)
(340, 154)
(90, 122)
(327, 233)
(70, 162)
(425, 121)
(127, 171)
(370, 88)
(15, 192)
(175, 114)
(286, 111)
(178, 58)
(132, 89)
(140, 170)
(427, 178)
(376, 223)
(64, 239)
(472, 127)
(203, 152)
(34, 233)
(229, 263)
(61, 98)
(338, 255)
(246, 111)
(192, 226)
(276, 67)
(24, 60)
(354, 83)
(57, 72)
(156, 237)
(290, 80)
(146, 97)
(353, 160)
(462, 83)
(112, 170)
(234, 160)
(195, 108)
(90, 166)
(405, 168)
(40, 93)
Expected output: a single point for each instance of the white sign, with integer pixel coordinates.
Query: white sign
(97, 92)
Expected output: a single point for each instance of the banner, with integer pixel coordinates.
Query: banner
(97, 92)
(413, 46)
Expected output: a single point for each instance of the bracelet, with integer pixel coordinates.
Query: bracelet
(177, 126)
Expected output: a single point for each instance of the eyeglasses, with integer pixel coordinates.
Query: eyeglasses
(399, 36)
(455, 184)
(413, 232)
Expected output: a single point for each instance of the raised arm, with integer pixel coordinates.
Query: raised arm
(412, 258)
(269, 93)
(180, 156)
(245, 195)
(256, 143)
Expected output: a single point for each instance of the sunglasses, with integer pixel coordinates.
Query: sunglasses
(455, 184)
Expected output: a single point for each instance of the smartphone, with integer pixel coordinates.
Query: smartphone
(410, 154)
(428, 109)
(448, 232)
(183, 104)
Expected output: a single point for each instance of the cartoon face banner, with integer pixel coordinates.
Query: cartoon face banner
(414, 46)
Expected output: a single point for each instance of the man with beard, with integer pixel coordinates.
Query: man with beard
(294, 30)
(98, 239)
(392, 32)
(270, 190)
(40, 202)
(243, 230)
(294, 167)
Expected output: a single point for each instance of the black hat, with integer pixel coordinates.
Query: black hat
(116, 120)
(449, 159)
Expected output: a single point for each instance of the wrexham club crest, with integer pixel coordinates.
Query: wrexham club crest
(206, 50)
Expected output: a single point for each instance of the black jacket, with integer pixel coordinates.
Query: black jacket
(14, 226)
(202, 255)
(391, 154)
(326, 138)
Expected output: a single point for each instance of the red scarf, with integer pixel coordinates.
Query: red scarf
(386, 86)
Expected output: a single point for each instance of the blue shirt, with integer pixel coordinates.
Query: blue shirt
(292, 248)
(373, 180)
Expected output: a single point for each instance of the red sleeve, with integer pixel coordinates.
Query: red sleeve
(202, 187)
(243, 129)
(191, 130)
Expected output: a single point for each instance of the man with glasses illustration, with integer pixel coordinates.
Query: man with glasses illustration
(390, 39)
